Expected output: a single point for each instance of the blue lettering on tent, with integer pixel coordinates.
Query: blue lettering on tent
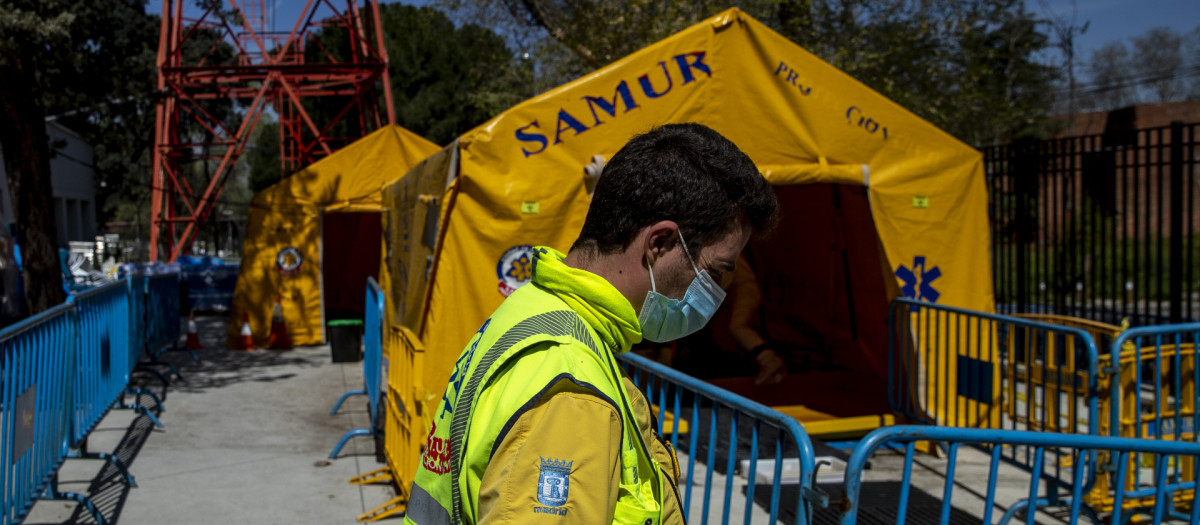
(523, 136)
(685, 67)
(621, 93)
(532, 141)
(792, 77)
(648, 87)
(866, 123)
(571, 122)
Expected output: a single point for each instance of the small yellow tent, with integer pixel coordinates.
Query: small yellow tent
(876, 203)
(286, 250)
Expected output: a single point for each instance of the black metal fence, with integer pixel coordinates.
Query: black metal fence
(1104, 227)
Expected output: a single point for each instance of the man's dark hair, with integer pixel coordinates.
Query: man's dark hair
(686, 173)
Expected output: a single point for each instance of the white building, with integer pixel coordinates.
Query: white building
(73, 180)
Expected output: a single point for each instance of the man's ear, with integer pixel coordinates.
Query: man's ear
(658, 239)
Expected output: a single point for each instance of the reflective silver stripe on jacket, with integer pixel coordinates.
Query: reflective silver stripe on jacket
(424, 510)
(556, 323)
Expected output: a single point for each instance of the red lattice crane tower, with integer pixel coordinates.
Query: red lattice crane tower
(287, 71)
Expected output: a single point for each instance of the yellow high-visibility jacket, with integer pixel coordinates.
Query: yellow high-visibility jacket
(537, 423)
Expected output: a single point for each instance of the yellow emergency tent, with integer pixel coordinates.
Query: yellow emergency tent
(307, 234)
(868, 190)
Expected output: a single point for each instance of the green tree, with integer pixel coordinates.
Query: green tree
(445, 79)
(261, 156)
(1002, 92)
(92, 66)
(108, 98)
(27, 30)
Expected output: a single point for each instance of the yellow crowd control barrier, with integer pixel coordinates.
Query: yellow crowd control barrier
(404, 423)
(1149, 392)
(1055, 374)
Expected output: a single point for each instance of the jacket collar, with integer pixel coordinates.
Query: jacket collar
(592, 297)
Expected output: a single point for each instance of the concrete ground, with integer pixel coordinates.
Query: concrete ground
(247, 434)
(245, 440)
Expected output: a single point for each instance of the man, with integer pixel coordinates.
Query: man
(537, 424)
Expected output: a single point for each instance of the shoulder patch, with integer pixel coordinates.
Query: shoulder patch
(554, 482)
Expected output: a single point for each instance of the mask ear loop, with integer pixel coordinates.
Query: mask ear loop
(685, 252)
(652, 287)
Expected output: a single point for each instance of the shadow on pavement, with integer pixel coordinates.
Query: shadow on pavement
(878, 503)
(219, 367)
(107, 489)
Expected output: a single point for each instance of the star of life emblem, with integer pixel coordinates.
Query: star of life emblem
(553, 482)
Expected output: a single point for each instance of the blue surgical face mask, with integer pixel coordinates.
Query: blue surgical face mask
(664, 319)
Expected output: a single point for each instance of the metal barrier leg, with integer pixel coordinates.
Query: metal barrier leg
(115, 461)
(356, 392)
(1042, 503)
(342, 442)
(174, 369)
(78, 498)
(1012, 512)
(393, 506)
(143, 411)
(158, 407)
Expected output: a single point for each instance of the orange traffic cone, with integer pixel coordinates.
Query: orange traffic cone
(279, 335)
(247, 342)
(193, 338)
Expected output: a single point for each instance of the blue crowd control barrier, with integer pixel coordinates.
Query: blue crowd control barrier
(36, 371)
(62, 371)
(1154, 376)
(139, 311)
(163, 318)
(103, 364)
(1043, 447)
(372, 367)
(955, 367)
(961, 368)
(157, 320)
(675, 395)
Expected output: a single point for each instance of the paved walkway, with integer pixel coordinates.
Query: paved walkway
(245, 441)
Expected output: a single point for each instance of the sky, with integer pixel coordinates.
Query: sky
(1107, 19)
(1119, 19)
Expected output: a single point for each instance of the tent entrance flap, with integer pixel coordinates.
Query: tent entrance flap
(823, 290)
(350, 253)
